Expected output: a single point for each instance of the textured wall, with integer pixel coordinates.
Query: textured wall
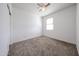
(64, 25)
(25, 25)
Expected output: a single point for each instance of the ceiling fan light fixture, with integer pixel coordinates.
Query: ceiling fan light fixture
(42, 8)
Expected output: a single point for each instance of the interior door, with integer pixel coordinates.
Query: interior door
(4, 29)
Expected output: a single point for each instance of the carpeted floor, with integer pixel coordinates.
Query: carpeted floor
(42, 46)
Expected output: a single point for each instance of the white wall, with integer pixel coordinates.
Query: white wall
(4, 29)
(77, 27)
(64, 25)
(25, 25)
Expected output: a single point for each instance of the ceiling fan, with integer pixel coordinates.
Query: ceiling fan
(43, 6)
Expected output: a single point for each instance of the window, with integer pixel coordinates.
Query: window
(49, 24)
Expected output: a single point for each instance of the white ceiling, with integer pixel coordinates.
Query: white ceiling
(33, 7)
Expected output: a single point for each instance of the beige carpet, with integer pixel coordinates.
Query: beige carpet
(42, 46)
